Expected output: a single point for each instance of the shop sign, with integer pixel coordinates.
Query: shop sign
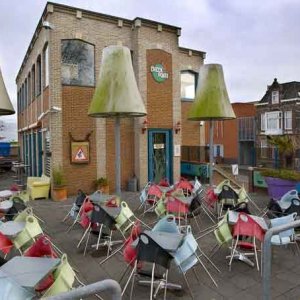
(159, 73)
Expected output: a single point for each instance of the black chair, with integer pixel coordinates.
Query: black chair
(293, 208)
(148, 251)
(227, 199)
(242, 207)
(18, 206)
(2, 261)
(195, 209)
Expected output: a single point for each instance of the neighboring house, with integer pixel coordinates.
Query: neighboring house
(56, 83)
(278, 113)
(234, 140)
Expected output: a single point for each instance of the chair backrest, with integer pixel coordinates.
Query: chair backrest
(64, 278)
(185, 186)
(167, 224)
(164, 182)
(80, 198)
(123, 220)
(31, 230)
(294, 207)
(42, 247)
(185, 256)
(160, 208)
(286, 199)
(197, 186)
(218, 188)
(223, 232)
(21, 217)
(246, 226)
(195, 205)
(149, 251)
(154, 192)
(284, 220)
(175, 206)
(243, 195)
(5, 244)
(241, 207)
(228, 192)
(144, 192)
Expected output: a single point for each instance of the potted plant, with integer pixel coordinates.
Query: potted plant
(102, 185)
(59, 188)
(281, 180)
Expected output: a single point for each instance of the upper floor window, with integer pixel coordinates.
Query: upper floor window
(188, 85)
(275, 97)
(29, 88)
(33, 82)
(263, 122)
(273, 122)
(77, 63)
(39, 76)
(46, 65)
(288, 119)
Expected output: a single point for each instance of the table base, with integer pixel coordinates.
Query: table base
(161, 285)
(242, 257)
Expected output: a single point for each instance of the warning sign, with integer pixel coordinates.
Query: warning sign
(80, 152)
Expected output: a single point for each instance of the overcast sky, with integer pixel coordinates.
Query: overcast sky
(254, 40)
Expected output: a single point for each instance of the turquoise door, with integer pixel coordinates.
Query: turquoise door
(40, 153)
(34, 164)
(160, 163)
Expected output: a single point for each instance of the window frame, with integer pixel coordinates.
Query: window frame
(275, 97)
(46, 76)
(278, 119)
(290, 119)
(38, 88)
(263, 122)
(195, 75)
(94, 64)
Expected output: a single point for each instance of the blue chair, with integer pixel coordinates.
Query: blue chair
(186, 257)
(285, 237)
(286, 199)
(167, 224)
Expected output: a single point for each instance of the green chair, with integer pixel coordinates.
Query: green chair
(160, 208)
(219, 187)
(21, 217)
(124, 220)
(31, 230)
(64, 277)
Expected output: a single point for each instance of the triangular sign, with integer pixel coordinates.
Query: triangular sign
(80, 155)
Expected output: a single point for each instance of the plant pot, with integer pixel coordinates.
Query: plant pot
(278, 187)
(59, 193)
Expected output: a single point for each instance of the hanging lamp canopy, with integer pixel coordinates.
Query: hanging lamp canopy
(211, 100)
(116, 94)
(6, 107)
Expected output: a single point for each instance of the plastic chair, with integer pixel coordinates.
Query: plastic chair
(186, 257)
(31, 230)
(197, 186)
(149, 251)
(18, 207)
(167, 224)
(185, 186)
(72, 213)
(42, 247)
(5, 244)
(218, 188)
(246, 232)
(153, 196)
(64, 278)
(286, 199)
(179, 209)
(160, 208)
(285, 237)
(143, 195)
(21, 217)
(228, 198)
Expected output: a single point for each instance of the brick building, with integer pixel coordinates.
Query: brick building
(234, 139)
(56, 82)
(278, 113)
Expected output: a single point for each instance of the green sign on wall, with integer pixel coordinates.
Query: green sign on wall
(159, 73)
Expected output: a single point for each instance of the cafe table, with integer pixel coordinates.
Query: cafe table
(28, 271)
(11, 228)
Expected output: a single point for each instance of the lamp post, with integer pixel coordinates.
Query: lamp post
(211, 103)
(117, 96)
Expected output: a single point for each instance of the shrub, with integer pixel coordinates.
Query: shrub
(281, 173)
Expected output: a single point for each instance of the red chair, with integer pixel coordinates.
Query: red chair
(5, 244)
(42, 248)
(177, 208)
(153, 196)
(164, 182)
(185, 186)
(246, 233)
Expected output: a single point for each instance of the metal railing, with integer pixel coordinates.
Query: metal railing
(267, 256)
(109, 285)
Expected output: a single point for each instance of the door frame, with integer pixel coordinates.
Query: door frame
(169, 152)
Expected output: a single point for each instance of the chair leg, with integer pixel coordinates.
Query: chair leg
(130, 276)
(99, 237)
(112, 254)
(86, 244)
(132, 286)
(208, 259)
(109, 244)
(233, 248)
(206, 270)
(84, 234)
(66, 216)
(187, 284)
(152, 281)
(166, 285)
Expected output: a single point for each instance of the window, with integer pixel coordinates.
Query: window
(26, 93)
(273, 122)
(46, 66)
(29, 88)
(77, 59)
(288, 119)
(188, 85)
(263, 122)
(39, 76)
(275, 97)
(33, 82)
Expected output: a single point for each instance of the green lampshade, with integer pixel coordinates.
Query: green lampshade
(116, 94)
(6, 107)
(211, 100)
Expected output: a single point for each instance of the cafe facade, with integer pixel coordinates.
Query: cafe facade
(56, 83)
